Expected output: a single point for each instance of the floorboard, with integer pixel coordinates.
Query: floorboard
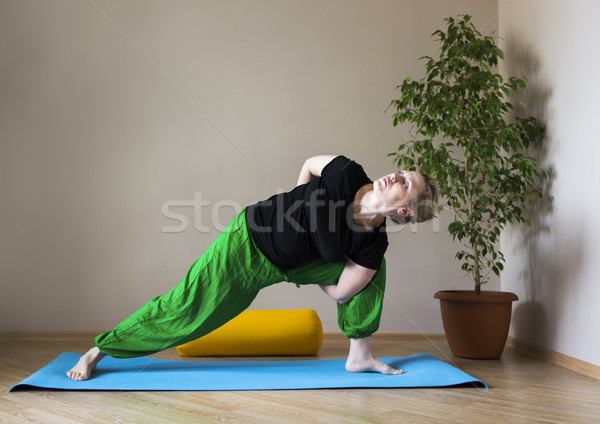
(522, 389)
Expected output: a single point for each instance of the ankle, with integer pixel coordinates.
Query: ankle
(94, 354)
(360, 349)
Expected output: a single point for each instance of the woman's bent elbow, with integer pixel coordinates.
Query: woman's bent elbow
(342, 300)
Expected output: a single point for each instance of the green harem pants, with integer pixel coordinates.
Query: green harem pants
(221, 284)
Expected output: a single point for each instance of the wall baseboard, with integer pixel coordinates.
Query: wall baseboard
(404, 337)
(577, 365)
(49, 335)
(90, 335)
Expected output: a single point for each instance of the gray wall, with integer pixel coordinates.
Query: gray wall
(109, 114)
(554, 265)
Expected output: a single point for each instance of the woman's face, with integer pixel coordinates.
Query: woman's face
(398, 189)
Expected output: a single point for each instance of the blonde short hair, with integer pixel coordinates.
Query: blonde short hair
(424, 206)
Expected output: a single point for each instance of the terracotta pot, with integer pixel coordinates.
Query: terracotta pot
(476, 325)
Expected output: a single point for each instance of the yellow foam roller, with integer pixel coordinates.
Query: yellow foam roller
(261, 333)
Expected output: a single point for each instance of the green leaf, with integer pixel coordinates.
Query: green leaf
(462, 133)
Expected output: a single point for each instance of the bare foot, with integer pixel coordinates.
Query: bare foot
(370, 365)
(86, 365)
(361, 359)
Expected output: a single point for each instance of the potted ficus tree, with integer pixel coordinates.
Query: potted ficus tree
(463, 135)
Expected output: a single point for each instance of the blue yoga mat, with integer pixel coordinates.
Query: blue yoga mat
(420, 370)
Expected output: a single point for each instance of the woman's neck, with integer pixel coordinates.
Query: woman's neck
(366, 211)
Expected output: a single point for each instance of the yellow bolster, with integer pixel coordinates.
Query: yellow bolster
(261, 333)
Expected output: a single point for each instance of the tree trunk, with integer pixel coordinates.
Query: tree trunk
(476, 271)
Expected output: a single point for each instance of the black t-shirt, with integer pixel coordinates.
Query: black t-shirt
(315, 221)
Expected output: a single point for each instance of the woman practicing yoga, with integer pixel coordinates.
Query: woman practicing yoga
(329, 230)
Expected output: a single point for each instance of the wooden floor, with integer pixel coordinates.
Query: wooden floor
(522, 389)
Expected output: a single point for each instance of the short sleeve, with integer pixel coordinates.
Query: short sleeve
(336, 165)
(370, 251)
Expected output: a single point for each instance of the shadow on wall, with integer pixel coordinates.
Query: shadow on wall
(541, 271)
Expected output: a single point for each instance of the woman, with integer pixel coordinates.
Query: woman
(329, 230)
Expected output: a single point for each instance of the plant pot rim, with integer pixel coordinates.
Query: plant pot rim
(488, 296)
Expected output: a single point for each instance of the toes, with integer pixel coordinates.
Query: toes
(386, 369)
(74, 375)
(393, 371)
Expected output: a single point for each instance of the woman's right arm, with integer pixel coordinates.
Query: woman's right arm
(313, 167)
